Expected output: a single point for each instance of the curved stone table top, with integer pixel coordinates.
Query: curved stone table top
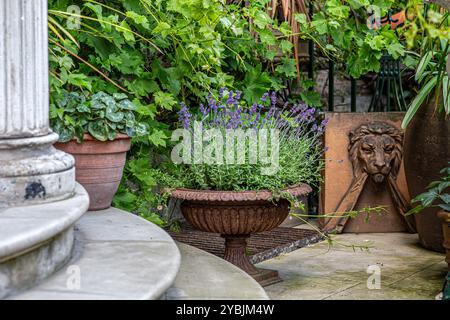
(117, 255)
(25, 228)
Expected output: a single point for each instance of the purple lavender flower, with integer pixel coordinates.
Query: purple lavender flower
(230, 99)
(221, 92)
(184, 116)
(264, 97)
(273, 99)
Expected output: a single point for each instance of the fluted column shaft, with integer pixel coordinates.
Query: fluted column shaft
(23, 68)
(31, 169)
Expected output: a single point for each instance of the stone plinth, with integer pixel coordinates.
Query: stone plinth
(31, 170)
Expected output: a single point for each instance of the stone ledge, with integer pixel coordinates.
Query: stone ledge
(204, 276)
(118, 256)
(24, 228)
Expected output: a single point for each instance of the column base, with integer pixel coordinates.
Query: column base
(32, 171)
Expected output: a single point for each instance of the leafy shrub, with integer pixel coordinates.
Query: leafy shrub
(101, 115)
(341, 30)
(437, 194)
(160, 52)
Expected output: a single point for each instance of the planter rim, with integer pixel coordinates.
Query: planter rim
(236, 196)
(90, 145)
(120, 136)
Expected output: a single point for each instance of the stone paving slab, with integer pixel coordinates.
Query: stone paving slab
(319, 272)
(117, 255)
(204, 276)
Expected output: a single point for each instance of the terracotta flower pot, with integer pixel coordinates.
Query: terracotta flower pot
(236, 215)
(445, 218)
(99, 166)
(426, 153)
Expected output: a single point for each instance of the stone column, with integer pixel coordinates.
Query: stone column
(31, 170)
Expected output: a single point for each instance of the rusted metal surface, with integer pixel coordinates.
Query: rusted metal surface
(236, 196)
(235, 215)
(260, 246)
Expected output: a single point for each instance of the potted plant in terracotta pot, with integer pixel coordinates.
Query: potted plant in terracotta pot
(438, 196)
(241, 168)
(427, 142)
(97, 130)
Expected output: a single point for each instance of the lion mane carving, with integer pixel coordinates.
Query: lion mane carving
(376, 152)
(376, 149)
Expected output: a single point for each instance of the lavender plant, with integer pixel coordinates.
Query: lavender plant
(299, 138)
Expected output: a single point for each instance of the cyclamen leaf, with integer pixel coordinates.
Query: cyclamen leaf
(98, 131)
(114, 116)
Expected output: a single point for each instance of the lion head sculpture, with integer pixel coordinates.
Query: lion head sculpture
(376, 149)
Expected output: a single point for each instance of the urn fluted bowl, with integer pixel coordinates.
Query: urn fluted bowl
(235, 215)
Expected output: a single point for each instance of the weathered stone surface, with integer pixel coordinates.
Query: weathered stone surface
(24, 228)
(319, 272)
(31, 170)
(204, 276)
(118, 256)
(24, 102)
(35, 241)
(26, 270)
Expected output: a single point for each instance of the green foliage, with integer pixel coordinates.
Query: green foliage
(159, 52)
(341, 29)
(101, 115)
(430, 35)
(438, 194)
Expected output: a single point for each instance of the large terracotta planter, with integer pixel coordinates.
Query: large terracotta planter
(98, 166)
(426, 153)
(445, 219)
(236, 215)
